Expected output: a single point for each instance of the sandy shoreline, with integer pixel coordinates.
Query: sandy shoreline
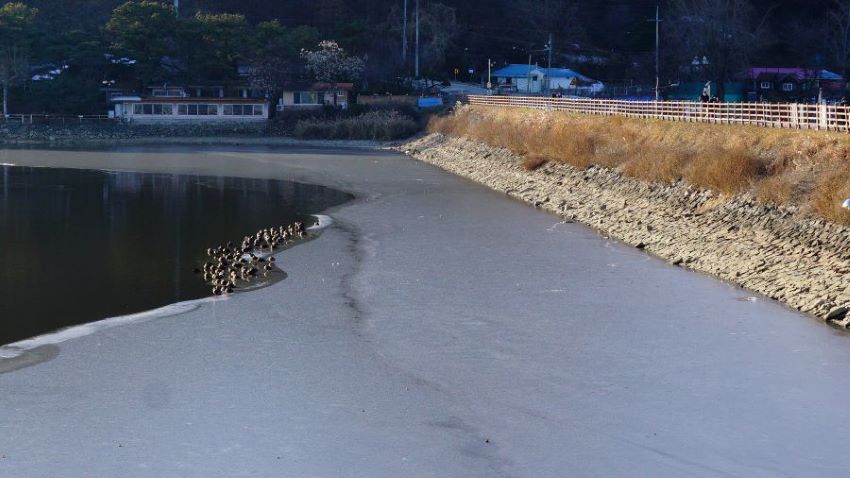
(437, 328)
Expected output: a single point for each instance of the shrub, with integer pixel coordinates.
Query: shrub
(725, 170)
(374, 125)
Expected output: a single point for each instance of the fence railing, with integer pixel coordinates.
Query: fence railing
(771, 115)
(55, 119)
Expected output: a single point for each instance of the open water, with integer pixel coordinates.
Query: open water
(81, 245)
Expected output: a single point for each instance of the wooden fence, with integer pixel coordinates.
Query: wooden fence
(387, 99)
(771, 115)
(55, 119)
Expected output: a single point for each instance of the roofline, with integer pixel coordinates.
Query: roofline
(196, 99)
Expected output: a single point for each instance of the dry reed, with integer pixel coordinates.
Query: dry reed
(804, 168)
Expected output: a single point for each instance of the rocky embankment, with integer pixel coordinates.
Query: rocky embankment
(779, 252)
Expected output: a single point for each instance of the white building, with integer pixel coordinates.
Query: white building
(175, 105)
(315, 95)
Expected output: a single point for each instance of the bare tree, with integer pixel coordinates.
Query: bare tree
(726, 32)
(838, 35)
(534, 20)
(438, 27)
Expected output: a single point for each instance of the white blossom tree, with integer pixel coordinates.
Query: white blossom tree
(330, 64)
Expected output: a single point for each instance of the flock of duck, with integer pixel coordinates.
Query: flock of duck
(229, 265)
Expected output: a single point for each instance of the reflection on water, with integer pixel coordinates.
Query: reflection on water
(80, 245)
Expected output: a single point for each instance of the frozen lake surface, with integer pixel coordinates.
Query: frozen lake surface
(435, 329)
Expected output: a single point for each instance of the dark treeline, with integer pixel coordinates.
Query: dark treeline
(608, 39)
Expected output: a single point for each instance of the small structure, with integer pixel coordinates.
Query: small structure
(532, 79)
(793, 84)
(314, 95)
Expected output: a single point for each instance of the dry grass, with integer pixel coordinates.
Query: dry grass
(829, 193)
(806, 168)
(726, 170)
(775, 190)
(533, 161)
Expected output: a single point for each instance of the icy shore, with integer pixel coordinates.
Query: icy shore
(779, 252)
(436, 328)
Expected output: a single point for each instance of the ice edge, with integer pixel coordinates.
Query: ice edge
(52, 338)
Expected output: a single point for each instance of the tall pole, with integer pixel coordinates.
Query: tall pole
(404, 36)
(657, 51)
(417, 40)
(657, 21)
(489, 83)
(549, 67)
(177, 7)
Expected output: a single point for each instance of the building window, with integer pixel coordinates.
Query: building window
(168, 92)
(197, 110)
(765, 85)
(153, 109)
(787, 86)
(243, 110)
(306, 98)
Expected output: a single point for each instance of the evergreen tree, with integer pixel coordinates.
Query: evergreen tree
(144, 32)
(16, 38)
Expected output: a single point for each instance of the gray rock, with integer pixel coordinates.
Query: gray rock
(837, 313)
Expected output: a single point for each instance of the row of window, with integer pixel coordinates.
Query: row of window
(197, 110)
(306, 98)
(766, 85)
(243, 110)
(153, 109)
(314, 97)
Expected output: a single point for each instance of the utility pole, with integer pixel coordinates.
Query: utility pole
(404, 36)
(417, 40)
(549, 67)
(657, 21)
(489, 82)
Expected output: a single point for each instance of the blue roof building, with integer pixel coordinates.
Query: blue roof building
(532, 79)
